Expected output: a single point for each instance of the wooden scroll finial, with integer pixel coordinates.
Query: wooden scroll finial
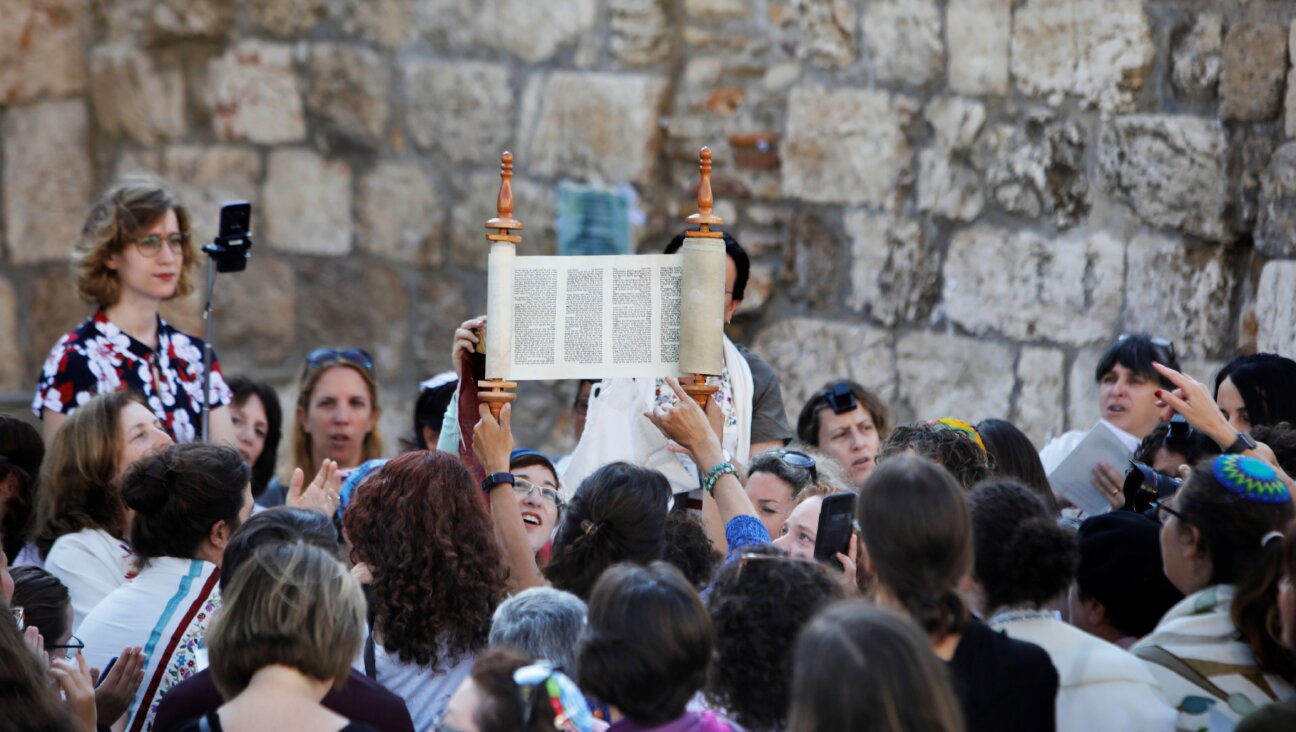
(495, 393)
(697, 387)
(704, 219)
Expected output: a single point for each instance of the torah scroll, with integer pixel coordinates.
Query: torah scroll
(606, 317)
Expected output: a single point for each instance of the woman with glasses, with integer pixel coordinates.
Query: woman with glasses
(1218, 654)
(337, 411)
(135, 252)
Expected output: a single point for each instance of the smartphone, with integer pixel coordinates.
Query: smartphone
(836, 523)
(233, 240)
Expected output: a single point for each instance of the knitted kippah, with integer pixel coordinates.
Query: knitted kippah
(958, 425)
(1251, 479)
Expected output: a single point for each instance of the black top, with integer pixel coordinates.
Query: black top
(360, 699)
(1280, 717)
(1003, 683)
(213, 725)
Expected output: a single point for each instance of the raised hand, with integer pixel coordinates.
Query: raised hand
(1193, 400)
(74, 678)
(686, 424)
(113, 695)
(466, 338)
(493, 441)
(322, 493)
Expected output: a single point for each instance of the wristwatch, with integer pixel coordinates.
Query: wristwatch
(495, 479)
(1243, 443)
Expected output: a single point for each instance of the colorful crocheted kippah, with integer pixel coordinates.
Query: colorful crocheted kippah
(1249, 478)
(958, 425)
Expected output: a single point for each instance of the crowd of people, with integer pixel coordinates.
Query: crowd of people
(686, 568)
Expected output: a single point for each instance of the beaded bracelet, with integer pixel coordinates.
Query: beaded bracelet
(714, 474)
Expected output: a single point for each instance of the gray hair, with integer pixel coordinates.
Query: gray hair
(542, 623)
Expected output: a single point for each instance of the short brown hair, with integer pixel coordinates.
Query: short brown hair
(78, 480)
(289, 604)
(129, 207)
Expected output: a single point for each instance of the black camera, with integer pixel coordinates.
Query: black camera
(233, 243)
(1143, 486)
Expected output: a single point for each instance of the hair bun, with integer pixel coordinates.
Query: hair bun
(147, 484)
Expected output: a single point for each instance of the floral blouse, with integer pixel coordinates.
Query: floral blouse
(98, 357)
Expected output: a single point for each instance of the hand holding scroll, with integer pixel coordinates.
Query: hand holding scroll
(466, 338)
(687, 425)
(493, 441)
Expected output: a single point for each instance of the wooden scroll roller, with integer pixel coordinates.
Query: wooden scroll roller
(697, 386)
(497, 392)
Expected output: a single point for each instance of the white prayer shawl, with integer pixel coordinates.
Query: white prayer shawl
(617, 430)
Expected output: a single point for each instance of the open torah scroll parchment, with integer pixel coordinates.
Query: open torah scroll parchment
(606, 316)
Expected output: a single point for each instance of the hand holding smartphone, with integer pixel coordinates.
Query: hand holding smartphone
(836, 524)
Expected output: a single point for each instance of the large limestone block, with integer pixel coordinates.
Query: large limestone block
(327, 292)
(535, 205)
(827, 32)
(945, 375)
(846, 145)
(399, 214)
(1180, 291)
(1037, 169)
(979, 34)
(640, 31)
(285, 18)
(42, 52)
(255, 96)
(812, 261)
(717, 9)
(895, 274)
(1276, 227)
(548, 25)
(948, 186)
(592, 125)
(806, 353)
(389, 23)
(1097, 50)
(1082, 398)
(47, 179)
(348, 89)
(1027, 287)
(1041, 378)
(1255, 65)
(462, 109)
(256, 313)
(1290, 105)
(308, 203)
(904, 40)
(11, 361)
(1172, 170)
(204, 178)
(133, 96)
(186, 19)
(442, 301)
(1276, 308)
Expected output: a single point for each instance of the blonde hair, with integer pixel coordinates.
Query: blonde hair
(78, 480)
(289, 604)
(123, 211)
(301, 451)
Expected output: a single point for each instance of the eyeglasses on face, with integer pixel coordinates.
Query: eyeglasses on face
(801, 460)
(69, 649)
(1159, 509)
(150, 245)
(321, 357)
(523, 488)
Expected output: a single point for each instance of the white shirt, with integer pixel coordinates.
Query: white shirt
(92, 563)
(1100, 686)
(425, 693)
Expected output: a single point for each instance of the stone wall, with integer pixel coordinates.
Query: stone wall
(956, 202)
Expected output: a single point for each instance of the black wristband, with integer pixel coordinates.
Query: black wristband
(495, 479)
(1243, 443)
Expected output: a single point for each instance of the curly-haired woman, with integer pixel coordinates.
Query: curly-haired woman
(136, 251)
(419, 525)
(758, 604)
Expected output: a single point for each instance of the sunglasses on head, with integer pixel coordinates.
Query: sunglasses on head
(321, 357)
(801, 460)
(1165, 345)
